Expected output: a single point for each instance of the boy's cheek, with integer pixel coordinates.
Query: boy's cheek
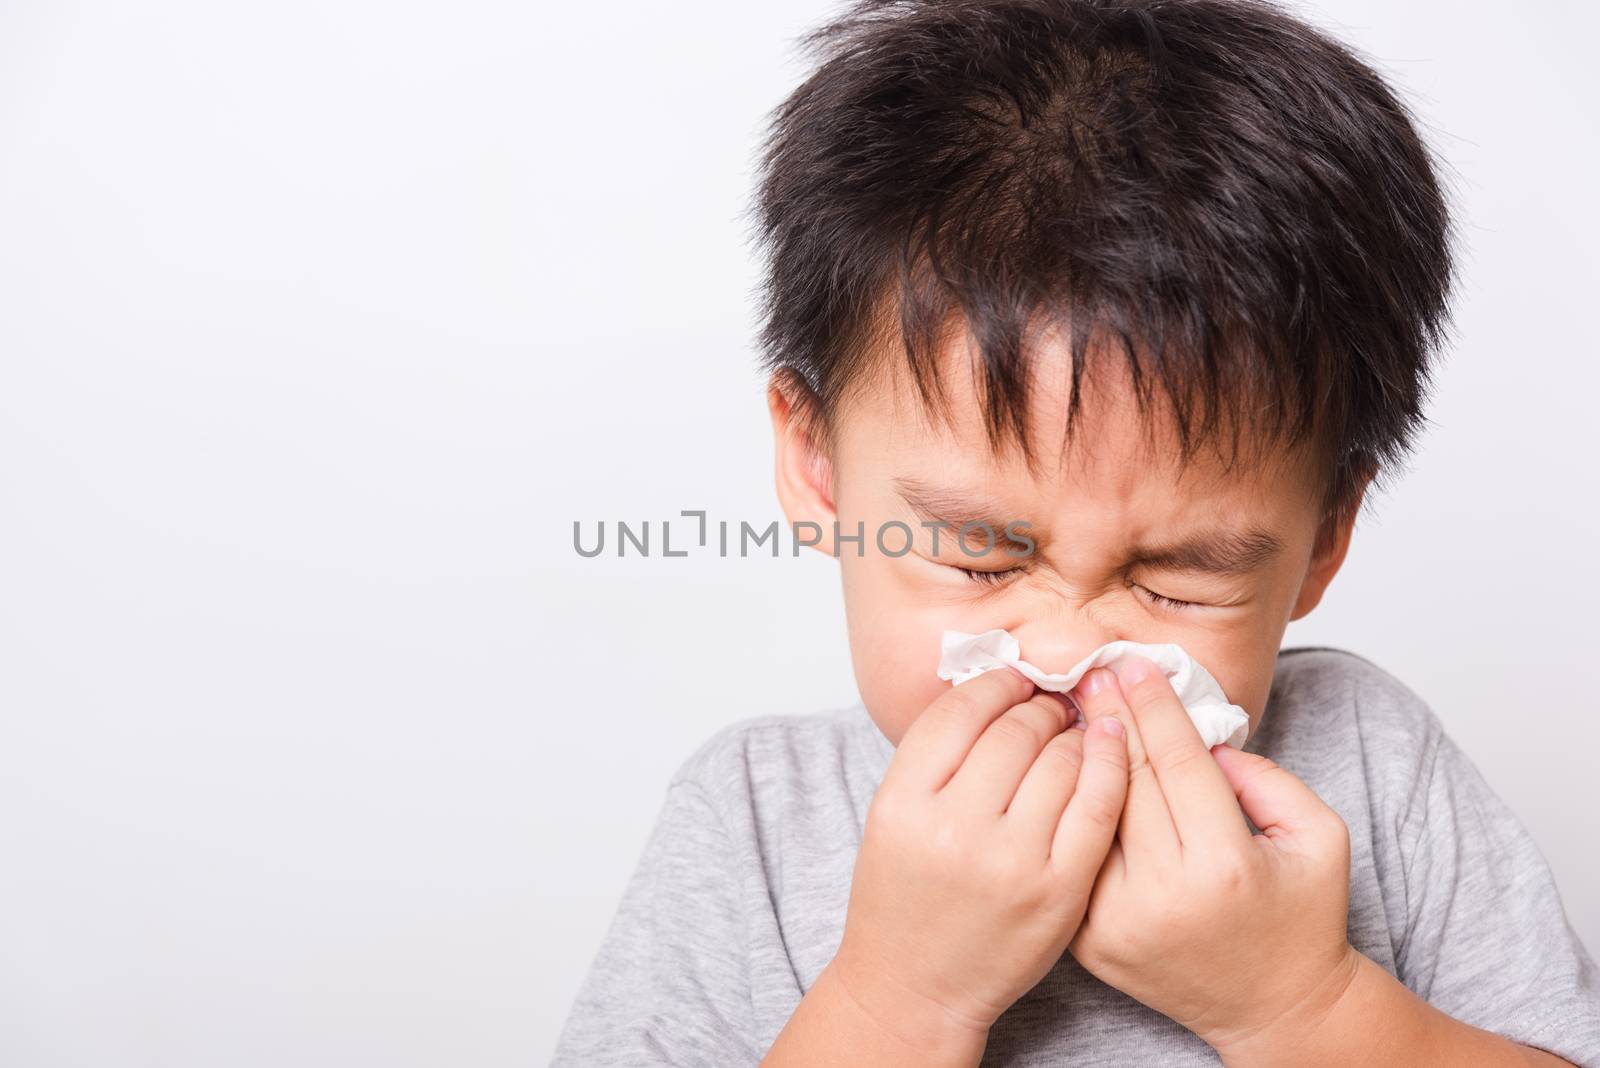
(894, 648)
(896, 672)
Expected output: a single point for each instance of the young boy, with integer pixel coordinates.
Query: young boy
(1161, 280)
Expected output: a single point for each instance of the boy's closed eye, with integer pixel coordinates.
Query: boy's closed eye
(999, 577)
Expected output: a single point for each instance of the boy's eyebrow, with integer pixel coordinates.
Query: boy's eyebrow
(938, 505)
(1219, 552)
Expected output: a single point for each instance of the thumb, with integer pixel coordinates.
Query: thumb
(1277, 802)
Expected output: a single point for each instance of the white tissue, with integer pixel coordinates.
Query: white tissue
(962, 655)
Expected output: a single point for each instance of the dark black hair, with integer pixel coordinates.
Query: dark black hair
(1232, 199)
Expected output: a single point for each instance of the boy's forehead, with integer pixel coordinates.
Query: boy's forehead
(1117, 450)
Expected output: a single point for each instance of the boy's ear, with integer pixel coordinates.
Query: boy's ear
(804, 473)
(1333, 542)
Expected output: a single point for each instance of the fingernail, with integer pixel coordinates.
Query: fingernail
(1132, 669)
(1113, 726)
(1093, 681)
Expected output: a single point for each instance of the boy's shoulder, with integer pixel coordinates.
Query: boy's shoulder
(1353, 731)
(1320, 684)
(777, 754)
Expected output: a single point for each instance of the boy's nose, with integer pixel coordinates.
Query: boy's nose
(1057, 649)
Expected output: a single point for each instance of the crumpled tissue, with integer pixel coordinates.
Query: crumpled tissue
(962, 655)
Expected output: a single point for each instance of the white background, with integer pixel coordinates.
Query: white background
(320, 323)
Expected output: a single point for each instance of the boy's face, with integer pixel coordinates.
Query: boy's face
(1095, 516)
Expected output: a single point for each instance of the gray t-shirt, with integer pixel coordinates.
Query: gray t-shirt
(739, 898)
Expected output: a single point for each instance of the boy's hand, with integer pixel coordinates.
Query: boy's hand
(1240, 938)
(978, 857)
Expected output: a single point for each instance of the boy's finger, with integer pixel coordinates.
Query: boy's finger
(1203, 806)
(1086, 829)
(1006, 752)
(1035, 810)
(1147, 827)
(938, 741)
(1274, 799)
